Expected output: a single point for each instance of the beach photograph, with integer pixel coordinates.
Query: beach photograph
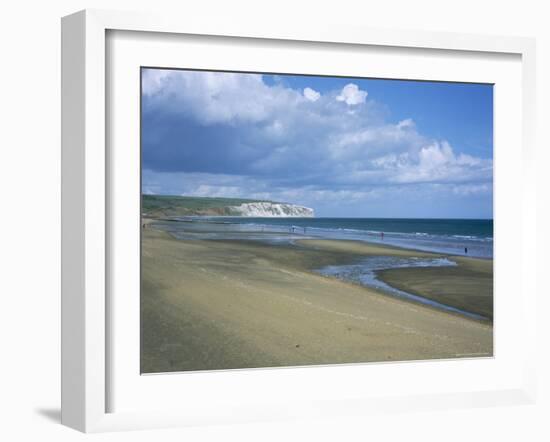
(298, 220)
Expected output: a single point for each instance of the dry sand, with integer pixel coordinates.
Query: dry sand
(209, 305)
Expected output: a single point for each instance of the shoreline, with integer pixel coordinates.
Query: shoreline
(236, 303)
(371, 232)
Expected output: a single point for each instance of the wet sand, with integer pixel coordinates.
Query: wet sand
(208, 305)
(467, 286)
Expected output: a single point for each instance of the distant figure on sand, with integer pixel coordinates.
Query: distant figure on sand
(465, 250)
(382, 235)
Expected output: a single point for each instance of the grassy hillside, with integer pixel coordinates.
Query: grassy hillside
(168, 205)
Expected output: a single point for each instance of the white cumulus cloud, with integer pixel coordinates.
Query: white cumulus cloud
(214, 97)
(352, 95)
(311, 95)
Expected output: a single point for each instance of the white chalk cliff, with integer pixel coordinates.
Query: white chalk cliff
(267, 209)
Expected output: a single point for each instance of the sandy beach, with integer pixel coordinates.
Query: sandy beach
(208, 305)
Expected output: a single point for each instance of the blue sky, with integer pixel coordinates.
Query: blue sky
(343, 146)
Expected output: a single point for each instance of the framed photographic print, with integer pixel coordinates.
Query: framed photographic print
(263, 223)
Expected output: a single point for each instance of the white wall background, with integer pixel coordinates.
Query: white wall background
(30, 215)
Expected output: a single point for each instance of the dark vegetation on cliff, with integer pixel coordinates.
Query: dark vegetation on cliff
(168, 205)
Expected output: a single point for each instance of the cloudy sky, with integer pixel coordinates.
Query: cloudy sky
(343, 146)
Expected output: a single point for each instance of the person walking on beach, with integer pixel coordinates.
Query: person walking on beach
(382, 235)
(465, 250)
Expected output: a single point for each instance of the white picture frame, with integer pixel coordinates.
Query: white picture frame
(87, 204)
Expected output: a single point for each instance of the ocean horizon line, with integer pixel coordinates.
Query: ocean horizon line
(342, 217)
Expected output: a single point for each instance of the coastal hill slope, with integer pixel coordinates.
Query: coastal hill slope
(168, 205)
